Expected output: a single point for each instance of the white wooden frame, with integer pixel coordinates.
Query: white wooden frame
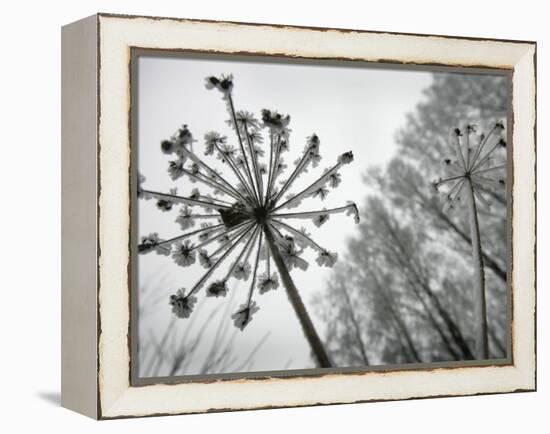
(96, 216)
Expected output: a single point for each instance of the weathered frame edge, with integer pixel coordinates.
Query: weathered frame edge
(79, 308)
(522, 389)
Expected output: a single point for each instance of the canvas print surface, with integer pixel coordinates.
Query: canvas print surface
(295, 215)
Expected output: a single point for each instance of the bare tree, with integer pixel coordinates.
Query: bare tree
(408, 270)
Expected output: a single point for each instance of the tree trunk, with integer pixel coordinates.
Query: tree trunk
(480, 305)
(405, 261)
(355, 324)
(311, 335)
(403, 331)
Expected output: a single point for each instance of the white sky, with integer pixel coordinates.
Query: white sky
(348, 107)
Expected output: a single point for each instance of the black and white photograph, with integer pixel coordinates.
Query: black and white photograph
(295, 215)
(282, 217)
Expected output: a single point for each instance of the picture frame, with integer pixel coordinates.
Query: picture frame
(98, 352)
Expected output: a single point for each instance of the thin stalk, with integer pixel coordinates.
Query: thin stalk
(459, 186)
(309, 214)
(489, 182)
(213, 173)
(491, 169)
(241, 254)
(247, 166)
(430, 206)
(310, 333)
(214, 228)
(274, 167)
(218, 201)
(204, 216)
(203, 279)
(306, 191)
(483, 160)
(185, 200)
(468, 147)
(229, 243)
(255, 165)
(455, 187)
(297, 233)
(480, 303)
(456, 142)
(481, 146)
(231, 163)
(213, 184)
(249, 251)
(445, 180)
(255, 272)
(270, 168)
(288, 183)
(228, 231)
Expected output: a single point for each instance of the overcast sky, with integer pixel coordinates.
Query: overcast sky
(348, 107)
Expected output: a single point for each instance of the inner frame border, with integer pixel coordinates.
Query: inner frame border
(137, 52)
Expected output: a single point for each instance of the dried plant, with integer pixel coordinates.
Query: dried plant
(472, 173)
(252, 208)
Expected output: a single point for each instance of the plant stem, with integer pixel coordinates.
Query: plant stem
(228, 159)
(247, 167)
(255, 165)
(480, 303)
(304, 161)
(296, 301)
(310, 188)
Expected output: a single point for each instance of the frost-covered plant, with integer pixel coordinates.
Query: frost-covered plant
(473, 171)
(250, 208)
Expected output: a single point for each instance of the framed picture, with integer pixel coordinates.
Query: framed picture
(262, 216)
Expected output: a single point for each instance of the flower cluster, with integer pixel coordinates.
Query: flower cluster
(226, 236)
(475, 161)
